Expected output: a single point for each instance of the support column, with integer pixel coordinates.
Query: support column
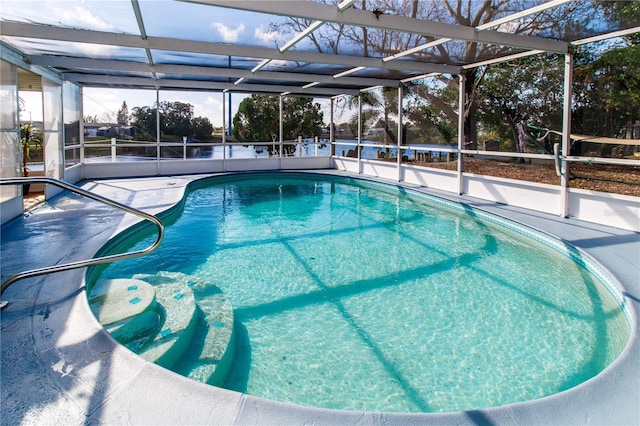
(400, 133)
(566, 134)
(461, 139)
(81, 96)
(229, 116)
(224, 133)
(224, 119)
(114, 152)
(281, 129)
(358, 146)
(332, 147)
(158, 130)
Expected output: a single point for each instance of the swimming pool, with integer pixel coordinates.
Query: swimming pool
(354, 295)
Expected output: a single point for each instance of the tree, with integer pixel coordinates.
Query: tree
(336, 38)
(369, 116)
(606, 90)
(617, 75)
(145, 119)
(123, 115)
(107, 117)
(301, 117)
(258, 118)
(430, 120)
(626, 13)
(606, 93)
(31, 137)
(377, 106)
(175, 118)
(201, 128)
(526, 91)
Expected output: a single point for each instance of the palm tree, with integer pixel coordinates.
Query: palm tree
(30, 137)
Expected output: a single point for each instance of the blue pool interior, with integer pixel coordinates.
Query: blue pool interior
(71, 371)
(361, 296)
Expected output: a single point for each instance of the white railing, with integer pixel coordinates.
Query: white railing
(117, 150)
(440, 167)
(88, 262)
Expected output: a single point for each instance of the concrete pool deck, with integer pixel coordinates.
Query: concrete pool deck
(59, 366)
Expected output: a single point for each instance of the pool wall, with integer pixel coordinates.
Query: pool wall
(72, 371)
(615, 210)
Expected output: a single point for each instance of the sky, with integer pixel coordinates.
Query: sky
(216, 25)
(107, 102)
(104, 103)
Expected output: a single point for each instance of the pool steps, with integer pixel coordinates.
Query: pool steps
(179, 309)
(136, 332)
(157, 317)
(119, 299)
(214, 331)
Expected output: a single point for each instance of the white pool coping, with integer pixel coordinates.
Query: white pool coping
(59, 366)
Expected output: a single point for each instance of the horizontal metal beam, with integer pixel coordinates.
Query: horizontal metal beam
(19, 29)
(111, 81)
(503, 59)
(14, 56)
(607, 36)
(88, 63)
(169, 84)
(347, 61)
(368, 19)
(273, 75)
(105, 64)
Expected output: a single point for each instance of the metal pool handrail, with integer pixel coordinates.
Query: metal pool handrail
(88, 262)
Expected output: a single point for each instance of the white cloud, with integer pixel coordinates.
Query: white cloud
(212, 109)
(71, 16)
(106, 102)
(97, 50)
(268, 37)
(98, 102)
(213, 101)
(228, 34)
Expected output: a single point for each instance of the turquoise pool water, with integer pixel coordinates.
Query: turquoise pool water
(356, 295)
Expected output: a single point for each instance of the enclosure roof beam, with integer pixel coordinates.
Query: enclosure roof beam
(488, 25)
(607, 36)
(143, 33)
(364, 18)
(106, 64)
(514, 16)
(169, 84)
(19, 29)
(503, 59)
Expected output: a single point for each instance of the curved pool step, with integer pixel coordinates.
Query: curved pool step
(212, 348)
(136, 332)
(210, 356)
(116, 300)
(177, 304)
(166, 326)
